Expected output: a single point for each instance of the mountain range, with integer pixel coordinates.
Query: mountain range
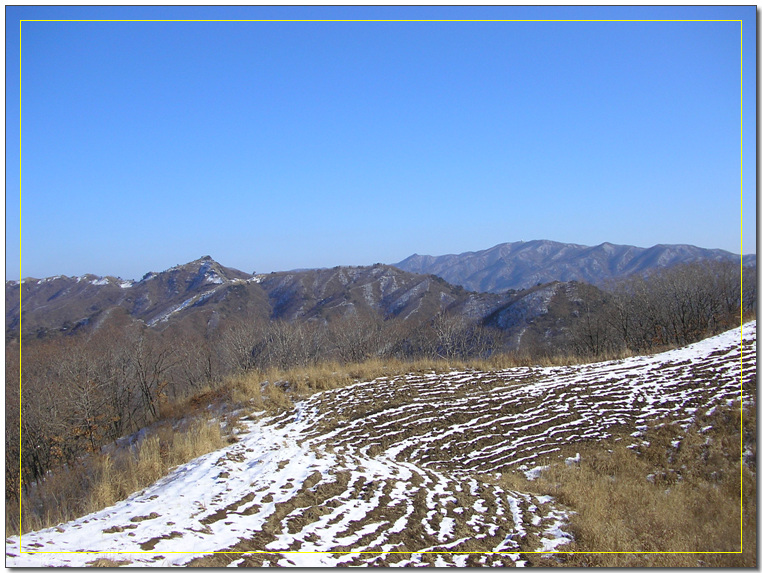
(205, 295)
(509, 286)
(523, 264)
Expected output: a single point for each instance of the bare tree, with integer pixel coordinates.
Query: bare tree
(239, 344)
(357, 338)
(151, 360)
(677, 305)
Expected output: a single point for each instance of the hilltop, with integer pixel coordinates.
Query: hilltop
(413, 469)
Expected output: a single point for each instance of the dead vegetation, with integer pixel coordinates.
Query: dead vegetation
(668, 495)
(674, 501)
(625, 499)
(105, 478)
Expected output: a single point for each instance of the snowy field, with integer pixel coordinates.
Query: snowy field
(391, 468)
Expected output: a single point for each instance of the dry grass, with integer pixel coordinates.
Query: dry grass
(503, 361)
(602, 489)
(661, 500)
(103, 479)
(274, 389)
(115, 478)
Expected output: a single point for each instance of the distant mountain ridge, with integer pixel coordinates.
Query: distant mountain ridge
(524, 264)
(203, 295)
(211, 292)
(538, 285)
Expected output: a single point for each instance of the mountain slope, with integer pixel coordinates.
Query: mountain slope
(207, 293)
(389, 471)
(380, 289)
(524, 264)
(65, 304)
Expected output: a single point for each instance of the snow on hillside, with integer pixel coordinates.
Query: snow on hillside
(195, 299)
(392, 466)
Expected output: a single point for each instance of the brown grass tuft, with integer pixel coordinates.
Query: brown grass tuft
(663, 500)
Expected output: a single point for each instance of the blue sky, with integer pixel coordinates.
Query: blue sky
(281, 145)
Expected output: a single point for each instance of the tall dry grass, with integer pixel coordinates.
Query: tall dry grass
(104, 479)
(275, 389)
(682, 505)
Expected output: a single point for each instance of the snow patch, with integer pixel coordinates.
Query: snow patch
(535, 472)
(573, 460)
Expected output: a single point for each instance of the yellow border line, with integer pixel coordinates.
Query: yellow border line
(20, 278)
(384, 552)
(741, 381)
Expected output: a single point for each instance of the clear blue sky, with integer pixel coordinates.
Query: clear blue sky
(281, 145)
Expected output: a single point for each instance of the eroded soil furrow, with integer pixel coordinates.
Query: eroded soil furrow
(563, 404)
(401, 470)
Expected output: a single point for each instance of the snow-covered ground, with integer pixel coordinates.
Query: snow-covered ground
(391, 468)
